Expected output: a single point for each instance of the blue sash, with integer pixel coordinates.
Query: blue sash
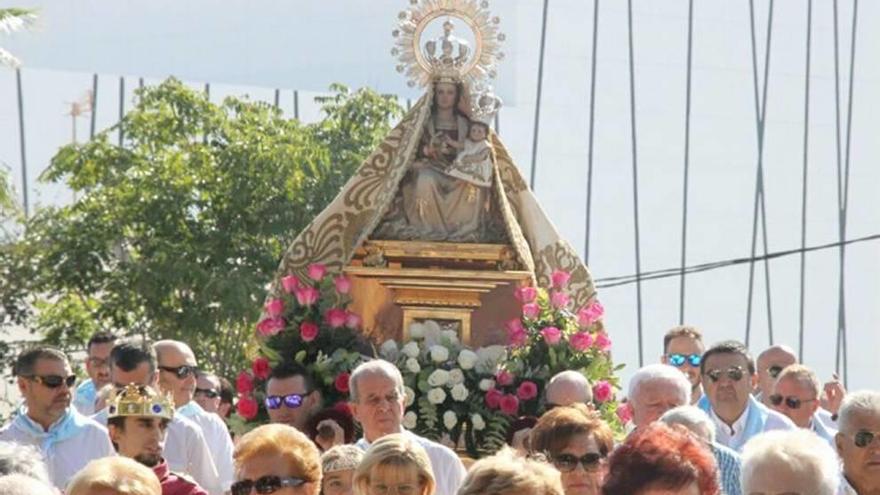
(66, 427)
(85, 395)
(755, 421)
(192, 408)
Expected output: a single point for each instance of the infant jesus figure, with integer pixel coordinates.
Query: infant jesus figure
(475, 159)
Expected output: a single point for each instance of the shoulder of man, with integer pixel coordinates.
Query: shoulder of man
(181, 484)
(777, 420)
(436, 449)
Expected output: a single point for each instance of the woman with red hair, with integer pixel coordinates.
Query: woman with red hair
(661, 460)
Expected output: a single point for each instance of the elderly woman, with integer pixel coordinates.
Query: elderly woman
(795, 462)
(276, 459)
(338, 465)
(114, 476)
(659, 459)
(505, 473)
(577, 442)
(395, 464)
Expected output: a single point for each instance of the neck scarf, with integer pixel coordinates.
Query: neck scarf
(66, 427)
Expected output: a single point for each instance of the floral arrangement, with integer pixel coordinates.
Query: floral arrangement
(308, 323)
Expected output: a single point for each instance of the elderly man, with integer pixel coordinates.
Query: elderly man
(177, 376)
(796, 462)
(98, 368)
(858, 443)
(770, 363)
(728, 379)
(796, 394)
(683, 348)
(566, 388)
(66, 439)
(377, 401)
(655, 389)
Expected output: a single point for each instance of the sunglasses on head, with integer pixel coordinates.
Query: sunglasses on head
(208, 392)
(292, 401)
(863, 438)
(53, 381)
(774, 371)
(678, 360)
(569, 462)
(790, 401)
(265, 485)
(180, 371)
(735, 373)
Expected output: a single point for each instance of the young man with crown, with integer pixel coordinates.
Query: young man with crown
(137, 420)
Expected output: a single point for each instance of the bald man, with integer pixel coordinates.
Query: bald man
(177, 376)
(566, 388)
(771, 362)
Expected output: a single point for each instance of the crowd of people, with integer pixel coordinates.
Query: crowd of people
(703, 422)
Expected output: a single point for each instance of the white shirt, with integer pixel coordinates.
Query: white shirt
(186, 452)
(448, 470)
(218, 439)
(68, 456)
(733, 436)
(845, 488)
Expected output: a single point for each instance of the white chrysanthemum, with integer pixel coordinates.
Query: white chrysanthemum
(478, 422)
(456, 376)
(450, 420)
(438, 378)
(467, 359)
(459, 392)
(487, 384)
(409, 420)
(489, 357)
(411, 349)
(439, 353)
(389, 350)
(436, 396)
(450, 335)
(412, 365)
(416, 330)
(410, 396)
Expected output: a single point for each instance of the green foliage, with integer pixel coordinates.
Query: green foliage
(177, 231)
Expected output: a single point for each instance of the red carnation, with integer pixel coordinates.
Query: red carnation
(493, 398)
(261, 368)
(509, 405)
(247, 407)
(308, 331)
(341, 382)
(245, 383)
(527, 390)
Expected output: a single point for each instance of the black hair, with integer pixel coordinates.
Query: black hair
(728, 347)
(100, 338)
(127, 356)
(290, 369)
(27, 360)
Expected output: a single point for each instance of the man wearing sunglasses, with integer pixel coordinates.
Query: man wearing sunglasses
(770, 363)
(683, 348)
(291, 396)
(728, 380)
(207, 393)
(796, 395)
(858, 443)
(67, 439)
(177, 376)
(98, 368)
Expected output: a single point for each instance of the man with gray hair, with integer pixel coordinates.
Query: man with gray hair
(858, 443)
(20, 484)
(655, 389)
(698, 422)
(792, 461)
(378, 400)
(796, 394)
(566, 388)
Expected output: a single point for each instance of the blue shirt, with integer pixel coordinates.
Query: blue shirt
(729, 467)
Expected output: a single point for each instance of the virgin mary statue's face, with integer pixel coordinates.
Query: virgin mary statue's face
(444, 95)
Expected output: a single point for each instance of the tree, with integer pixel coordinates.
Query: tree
(177, 232)
(14, 19)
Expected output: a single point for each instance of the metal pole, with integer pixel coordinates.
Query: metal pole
(538, 97)
(121, 107)
(94, 105)
(24, 177)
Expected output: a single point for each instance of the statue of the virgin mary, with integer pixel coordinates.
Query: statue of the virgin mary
(417, 186)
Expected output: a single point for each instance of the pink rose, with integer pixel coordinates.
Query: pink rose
(245, 383)
(560, 278)
(261, 368)
(527, 390)
(602, 391)
(342, 382)
(504, 378)
(559, 300)
(306, 296)
(335, 317)
(509, 405)
(308, 331)
(514, 325)
(526, 294)
(517, 338)
(581, 341)
(352, 320)
(603, 342)
(316, 271)
(247, 407)
(591, 314)
(343, 284)
(268, 327)
(493, 398)
(290, 283)
(624, 413)
(274, 307)
(551, 335)
(531, 310)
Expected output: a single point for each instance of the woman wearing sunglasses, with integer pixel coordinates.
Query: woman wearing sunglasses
(276, 459)
(577, 442)
(394, 465)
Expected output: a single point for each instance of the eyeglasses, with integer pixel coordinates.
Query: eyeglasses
(53, 381)
(98, 362)
(790, 401)
(180, 371)
(208, 392)
(678, 360)
(265, 485)
(569, 462)
(735, 373)
(863, 438)
(774, 371)
(291, 400)
(402, 489)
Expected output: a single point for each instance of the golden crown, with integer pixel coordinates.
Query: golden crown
(139, 400)
(484, 105)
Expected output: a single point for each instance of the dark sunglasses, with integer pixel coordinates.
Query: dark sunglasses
(53, 381)
(735, 373)
(180, 371)
(790, 401)
(774, 371)
(265, 485)
(291, 400)
(678, 360)
(208, 392)
(569, 462)
(863, 438)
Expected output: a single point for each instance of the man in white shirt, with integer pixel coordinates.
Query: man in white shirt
(377, 401)
(185, 448)
(728, 379)
(177, 376)
(98, 368)
(796, 395)
(66, 439)
(858, 443)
